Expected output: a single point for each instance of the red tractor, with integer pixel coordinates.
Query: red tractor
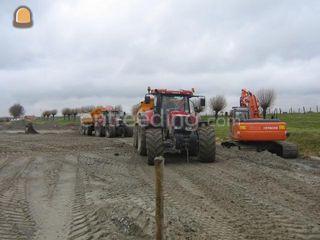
(167, 122)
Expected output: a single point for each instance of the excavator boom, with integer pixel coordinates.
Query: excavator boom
(250, 101)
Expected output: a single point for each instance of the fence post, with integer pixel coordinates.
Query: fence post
(158, 163)
(317, 108)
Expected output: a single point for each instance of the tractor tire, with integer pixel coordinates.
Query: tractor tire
(99, 132)
(142, 150)
(110, 132)
(207, 144)
(155, 146)
(135, 136)
(129, 131)
(81, 130)
(89, 131)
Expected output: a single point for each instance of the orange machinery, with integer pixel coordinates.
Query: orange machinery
(247, 128)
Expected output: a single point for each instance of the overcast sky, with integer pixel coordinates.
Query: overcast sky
(101, 52)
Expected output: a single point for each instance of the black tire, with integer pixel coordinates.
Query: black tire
(135, 136)
(142, 149)
(99, 132)
(81, 130)
(110, 132)
(129, 131)
(207, 144)
(193, 146)
(89, 131)
(154, 142)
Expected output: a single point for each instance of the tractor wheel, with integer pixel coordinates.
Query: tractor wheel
(110, 132)
(99, 132)
(154, 142)
(135, 136)
(142, 150)
(89, 131)
(129, 131)
(207, 144)
(81, 130)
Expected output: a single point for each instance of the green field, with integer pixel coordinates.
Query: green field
(304, 130)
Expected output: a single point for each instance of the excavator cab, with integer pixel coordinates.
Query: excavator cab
(239, 114)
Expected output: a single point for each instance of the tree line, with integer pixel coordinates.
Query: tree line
(216, 106)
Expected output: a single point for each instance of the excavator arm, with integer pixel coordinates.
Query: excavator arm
(250, 101)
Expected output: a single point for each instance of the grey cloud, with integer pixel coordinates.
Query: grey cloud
(86, 51)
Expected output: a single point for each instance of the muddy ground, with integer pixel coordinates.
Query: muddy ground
(66, 186)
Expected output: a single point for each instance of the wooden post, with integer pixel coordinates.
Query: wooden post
(159, 163)
(317, 108)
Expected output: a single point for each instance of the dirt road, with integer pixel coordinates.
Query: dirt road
(66, 186)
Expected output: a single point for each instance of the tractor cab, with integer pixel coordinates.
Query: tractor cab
(175, 108)
(114, 116)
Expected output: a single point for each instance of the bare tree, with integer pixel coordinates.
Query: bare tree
(118, 108)
(217, 104)
(66, 112)
(87, 109)
(46, 114)
(74, 112)
(53, 113)
(266, 98)
(16, 110)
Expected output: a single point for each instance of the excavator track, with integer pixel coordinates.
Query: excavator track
(285, 149)
(281, 148)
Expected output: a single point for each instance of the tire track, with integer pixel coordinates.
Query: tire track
(124, 208)
(85, 222)
(257, 217)
(16, 221)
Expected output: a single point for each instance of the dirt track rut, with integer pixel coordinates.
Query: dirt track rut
(64, 186)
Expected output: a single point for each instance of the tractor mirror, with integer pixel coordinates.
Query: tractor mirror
(202, 102)
(147, 99)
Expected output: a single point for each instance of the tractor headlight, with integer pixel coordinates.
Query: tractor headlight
(242, 127)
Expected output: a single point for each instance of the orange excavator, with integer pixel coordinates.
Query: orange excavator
(249, 130)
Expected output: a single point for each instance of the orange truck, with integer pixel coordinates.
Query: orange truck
(248, 129)
(105, 122)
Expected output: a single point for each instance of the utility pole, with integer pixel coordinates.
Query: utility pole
(159, 163)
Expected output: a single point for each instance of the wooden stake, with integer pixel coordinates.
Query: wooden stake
(159, 163)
